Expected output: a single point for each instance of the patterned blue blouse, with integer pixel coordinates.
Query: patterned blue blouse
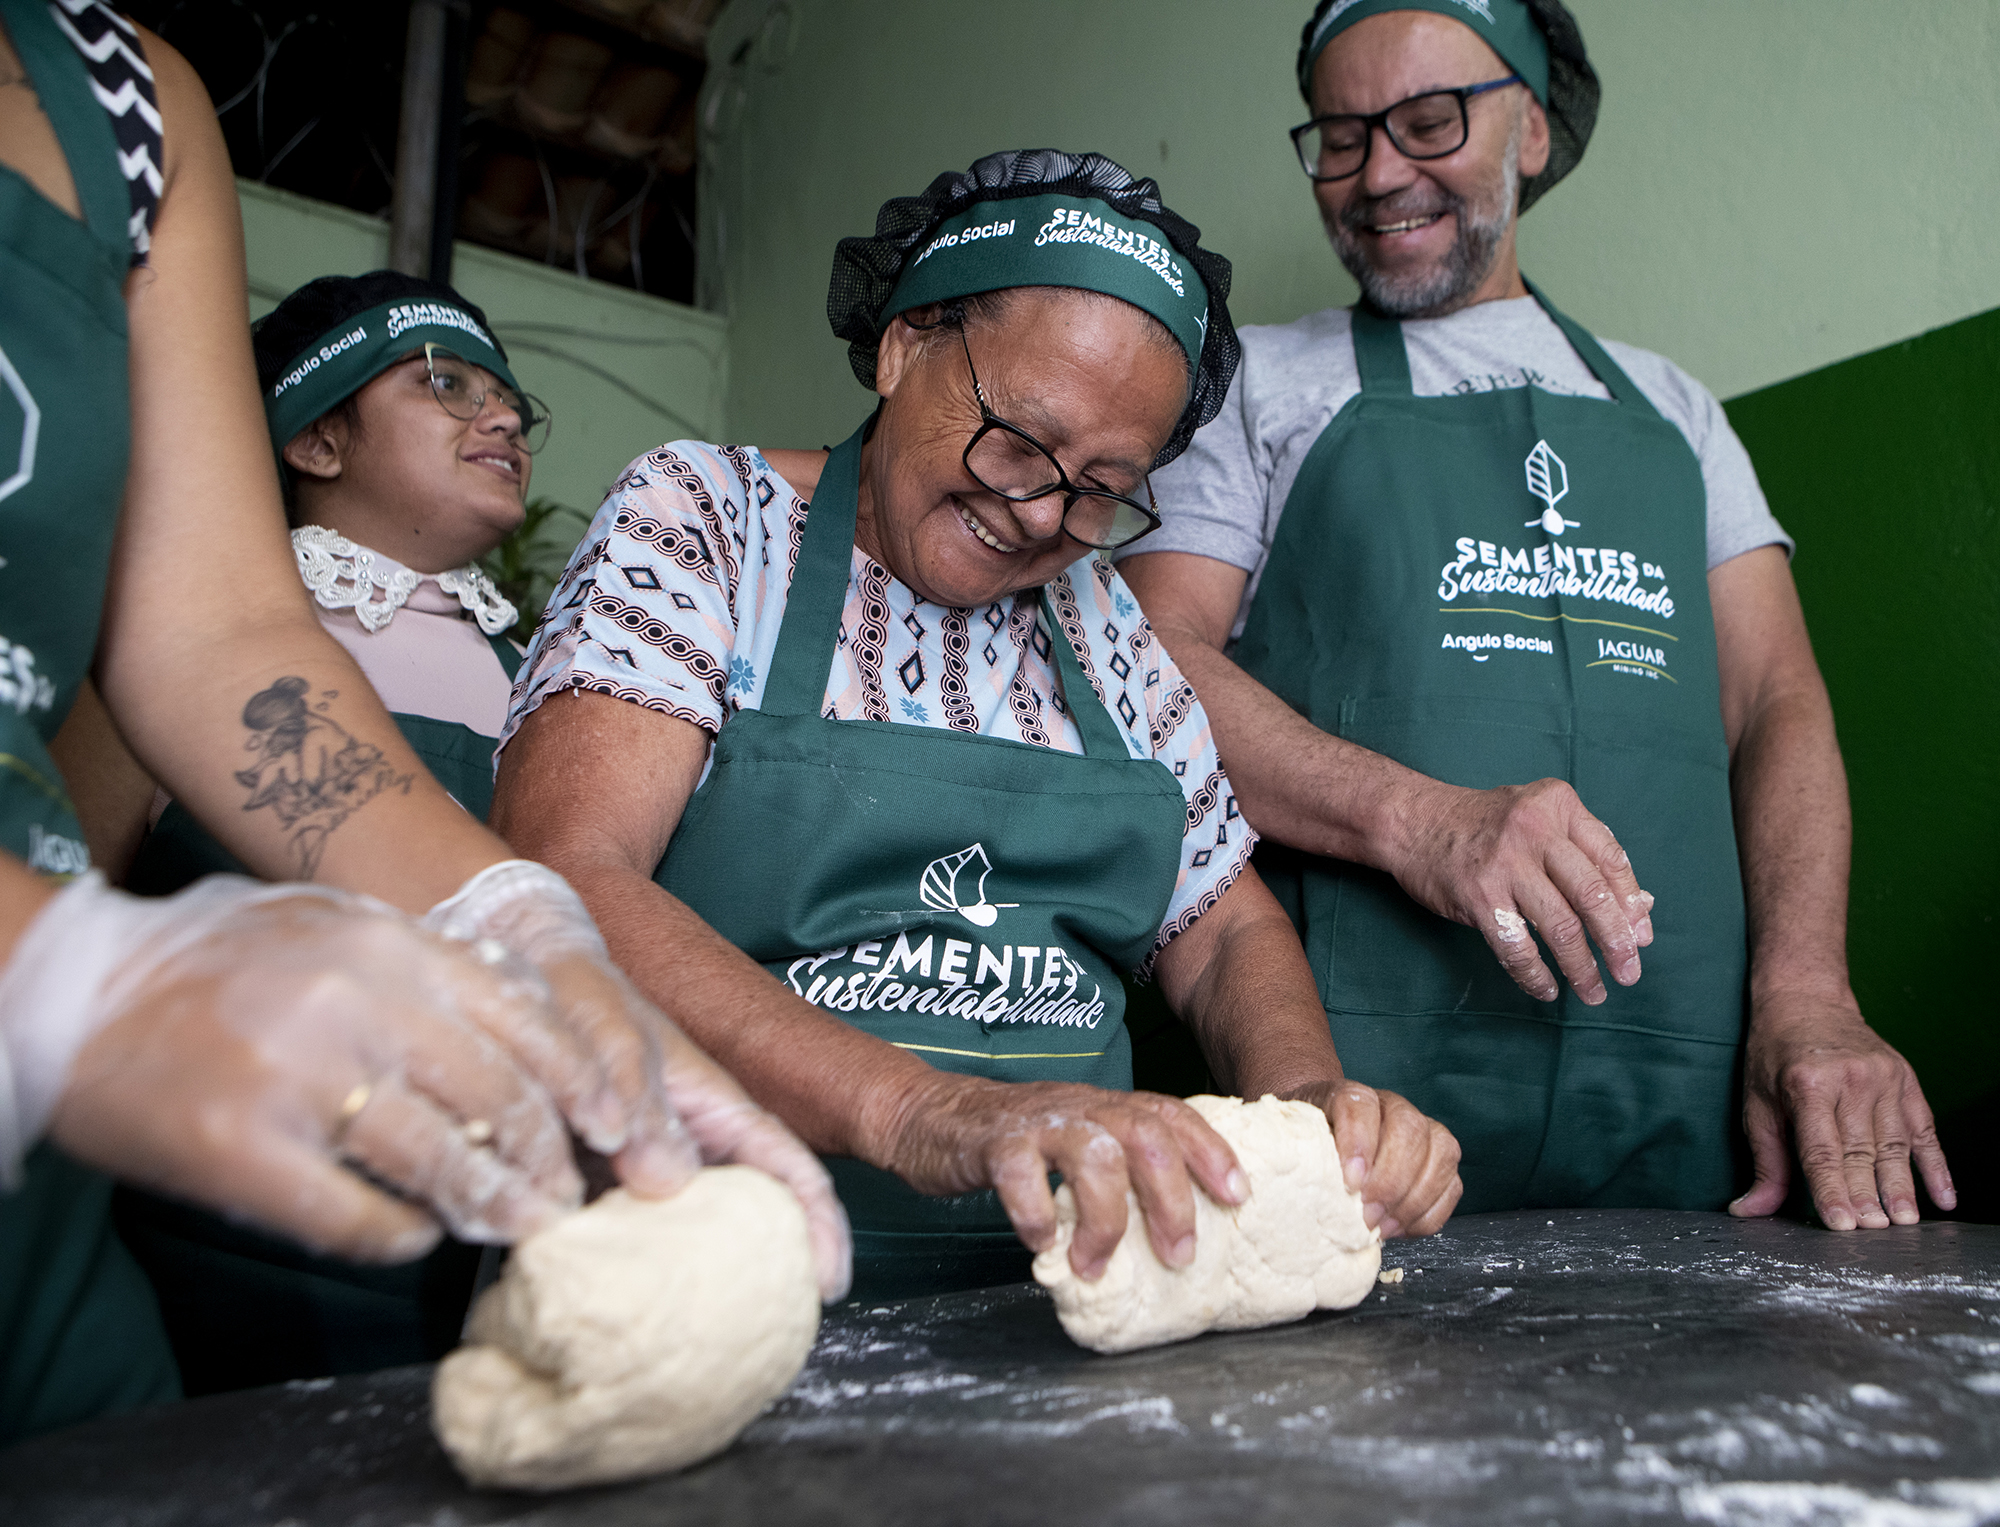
(674, 597)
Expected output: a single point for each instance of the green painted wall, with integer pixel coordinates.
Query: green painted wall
(1887, 470)
(1774, 187)
(1775, 184)
(621, 372)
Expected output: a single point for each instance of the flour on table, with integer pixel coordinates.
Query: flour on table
(634, 1337)
(1297, 1244)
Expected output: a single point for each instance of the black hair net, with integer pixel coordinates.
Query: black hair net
(865, 270)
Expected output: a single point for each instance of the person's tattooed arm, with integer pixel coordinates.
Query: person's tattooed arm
(308, 769)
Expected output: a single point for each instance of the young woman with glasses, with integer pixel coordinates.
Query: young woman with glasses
(300, 1057)
(414, 466)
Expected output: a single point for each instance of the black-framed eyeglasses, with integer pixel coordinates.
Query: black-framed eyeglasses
(1427, 126)
(463, 389)
(1006, 460)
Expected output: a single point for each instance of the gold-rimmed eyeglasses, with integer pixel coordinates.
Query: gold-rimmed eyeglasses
(463, 389)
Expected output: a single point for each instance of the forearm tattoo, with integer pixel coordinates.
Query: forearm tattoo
(309, 769)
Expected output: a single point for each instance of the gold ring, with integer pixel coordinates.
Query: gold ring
(477, 1132)
(351, 1106)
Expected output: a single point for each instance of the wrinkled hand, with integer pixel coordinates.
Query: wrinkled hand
(1817, 1075)
(1404, 1165)
(1528, 857)
(651, 1101)
(258, 1039)
(964, 1133)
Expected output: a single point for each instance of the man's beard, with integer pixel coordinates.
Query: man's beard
(1447, 285)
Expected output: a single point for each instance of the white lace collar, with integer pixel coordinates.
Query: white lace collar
(344, 576)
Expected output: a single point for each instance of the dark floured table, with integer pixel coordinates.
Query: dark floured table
(1568, 1367)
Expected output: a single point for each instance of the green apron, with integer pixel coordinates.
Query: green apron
(179, 850)
(1493, 589)
(242, 1308)
(972, 899)
(79, 1332)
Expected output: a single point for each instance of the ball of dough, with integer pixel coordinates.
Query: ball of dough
(634, 1337)
(1296, 1244)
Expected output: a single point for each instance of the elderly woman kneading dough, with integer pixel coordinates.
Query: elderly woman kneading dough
(876, 778)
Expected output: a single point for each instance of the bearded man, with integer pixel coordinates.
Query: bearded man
(1462, 589)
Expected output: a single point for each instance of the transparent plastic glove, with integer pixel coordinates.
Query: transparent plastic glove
(243, 1046)
(676, 1108)
(730, 1128)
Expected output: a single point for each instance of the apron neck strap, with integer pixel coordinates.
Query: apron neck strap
(63, 84)
(810, 629)
(1100, 734)
(510, 660)
(1379, 354)
(1602, 366)
(1384, 364)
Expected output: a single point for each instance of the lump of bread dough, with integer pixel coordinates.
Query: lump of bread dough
(636, 1336)
(1296, 1244)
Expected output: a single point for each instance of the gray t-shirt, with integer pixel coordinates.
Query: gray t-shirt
(1224, 496)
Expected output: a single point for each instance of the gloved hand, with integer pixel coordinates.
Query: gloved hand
(239, 1044)
(677, 1108)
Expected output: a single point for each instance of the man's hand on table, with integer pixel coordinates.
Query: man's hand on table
(964, 1133)
(1816, 1075)
(1404, 1165)
(1520, 857)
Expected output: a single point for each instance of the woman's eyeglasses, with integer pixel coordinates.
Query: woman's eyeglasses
(464, 389)
(1006, 460)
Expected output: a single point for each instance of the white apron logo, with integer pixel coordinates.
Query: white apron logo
(1548, 480)
(1482, 646)
(1037, 984)
(1634, 658)
(1551, 569)
(54, 855)
(21, 688)
(940, 886)
(21, 470)
(973, 981)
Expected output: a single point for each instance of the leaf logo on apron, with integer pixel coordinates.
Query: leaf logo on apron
(939, 887)
(23, 466)
(1548, 480)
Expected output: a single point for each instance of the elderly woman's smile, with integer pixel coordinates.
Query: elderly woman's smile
(880, 736)
(1096, 381)
(986, 537)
